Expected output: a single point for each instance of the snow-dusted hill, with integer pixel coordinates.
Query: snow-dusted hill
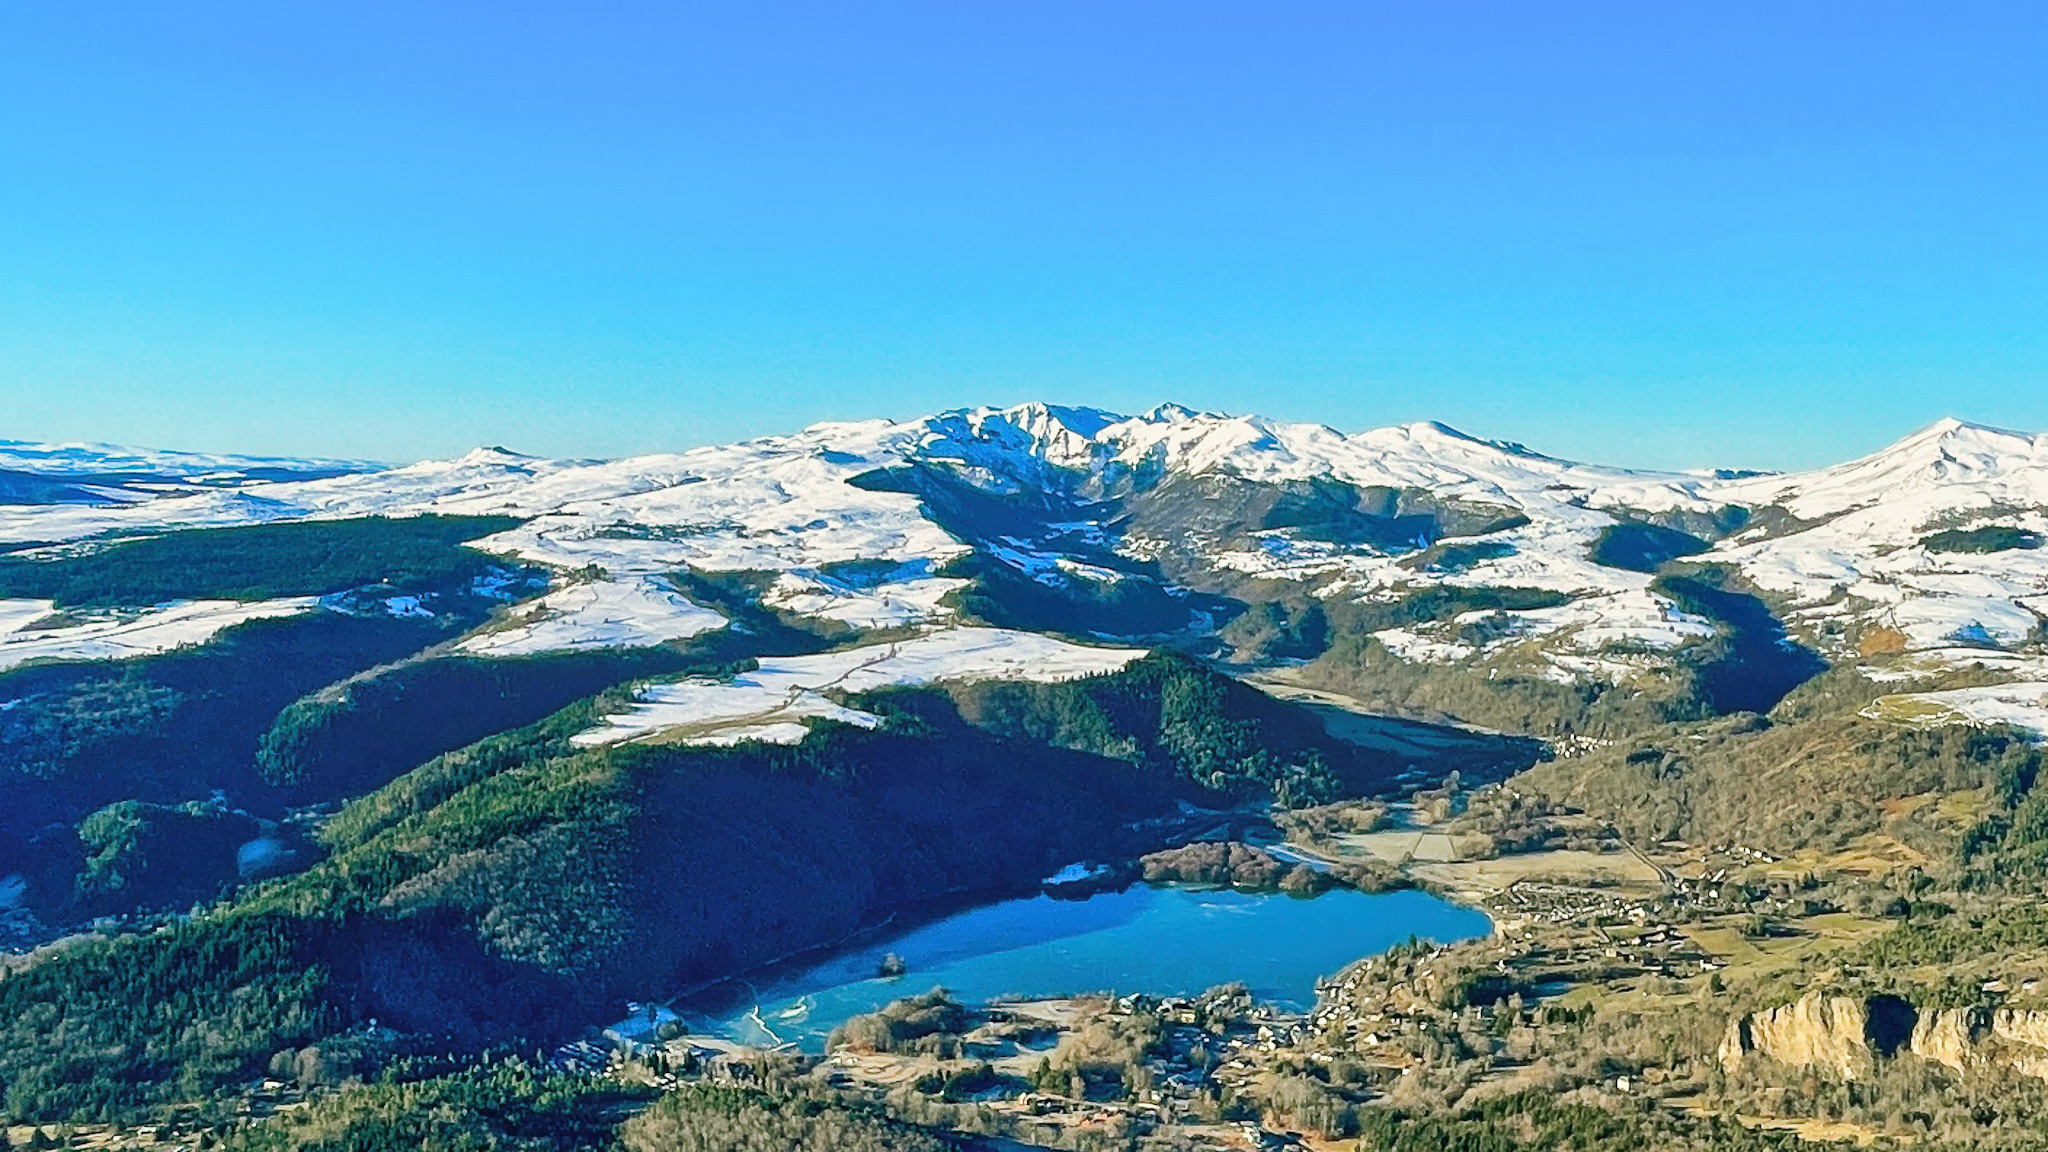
(875, 523)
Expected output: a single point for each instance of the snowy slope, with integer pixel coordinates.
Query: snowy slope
(771, 703)
(632, 613)
(1856, 553)
(31, 629)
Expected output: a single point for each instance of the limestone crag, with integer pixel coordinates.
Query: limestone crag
(1965, 1038)
(1847, 1035)
(1814, 1031)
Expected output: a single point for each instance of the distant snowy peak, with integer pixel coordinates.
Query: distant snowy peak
(1042, 443)
(492, 456)
(1949, 464)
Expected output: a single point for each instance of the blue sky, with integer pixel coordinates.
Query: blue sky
(1768, 235)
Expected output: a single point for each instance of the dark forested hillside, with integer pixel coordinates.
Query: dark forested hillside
(523, 886)
(302, 558)
(185, 725)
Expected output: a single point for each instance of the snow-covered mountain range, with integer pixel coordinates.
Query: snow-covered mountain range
(1924, 553)
(114, 474)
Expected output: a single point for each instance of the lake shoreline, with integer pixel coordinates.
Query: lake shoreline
(1150, 939)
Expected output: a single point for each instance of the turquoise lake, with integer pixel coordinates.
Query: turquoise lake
(1160, 940)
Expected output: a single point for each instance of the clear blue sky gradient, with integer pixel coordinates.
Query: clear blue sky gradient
(1765, 235)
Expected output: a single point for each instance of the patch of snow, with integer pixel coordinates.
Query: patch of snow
(770, 702)
(18, 614)
(1077, 873)
(632, 613)
(893, 604)
(1419, 649)
(111, 636)
(2023, 705)
(83, 459)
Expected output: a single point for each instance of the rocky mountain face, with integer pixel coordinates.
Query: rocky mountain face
(1848, 1036)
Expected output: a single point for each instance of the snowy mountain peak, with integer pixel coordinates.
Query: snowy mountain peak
(1953, 439)
(1948, 467)
(1170, 413)
(492, 455)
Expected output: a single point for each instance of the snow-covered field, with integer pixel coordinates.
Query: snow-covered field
(117, 637)
(2023, 704)
(638, 612)
(910, 596)
(769, 704)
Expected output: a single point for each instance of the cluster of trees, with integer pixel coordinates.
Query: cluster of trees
(1232, 865)
(1542, 1122)
(1747, 666)
(901, 1025)
(1105, 1055)
(1130, 604)
(1170, 715)
(140, 855)
(709, 1119)
(1750, 664)
(1282, 628)
(259, 562)
(191, 717)
(1641, 547)
(78, 736)
(497, 1106)
(105, 1027)
(1507, 693)
(1827, 773)
(2007, 930)
(349, 738)
(1992, 538)
(2009, 848)
(163, 730)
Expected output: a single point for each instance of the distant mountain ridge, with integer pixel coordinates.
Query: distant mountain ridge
(1136, 518)
(79, 473)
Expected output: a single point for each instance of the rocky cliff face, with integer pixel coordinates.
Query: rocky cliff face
(1847, 1035)
(1843, 1034)
(1965, 1038)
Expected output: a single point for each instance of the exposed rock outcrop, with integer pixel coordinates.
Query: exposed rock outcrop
(1966, 1038)
(1847, 1035)
(1843, 1034)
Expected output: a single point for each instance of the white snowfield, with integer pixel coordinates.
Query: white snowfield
(2023, 705)
(106, 636)
(771, 703)
(634, 613)
(908, 598)
(1841, 546)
